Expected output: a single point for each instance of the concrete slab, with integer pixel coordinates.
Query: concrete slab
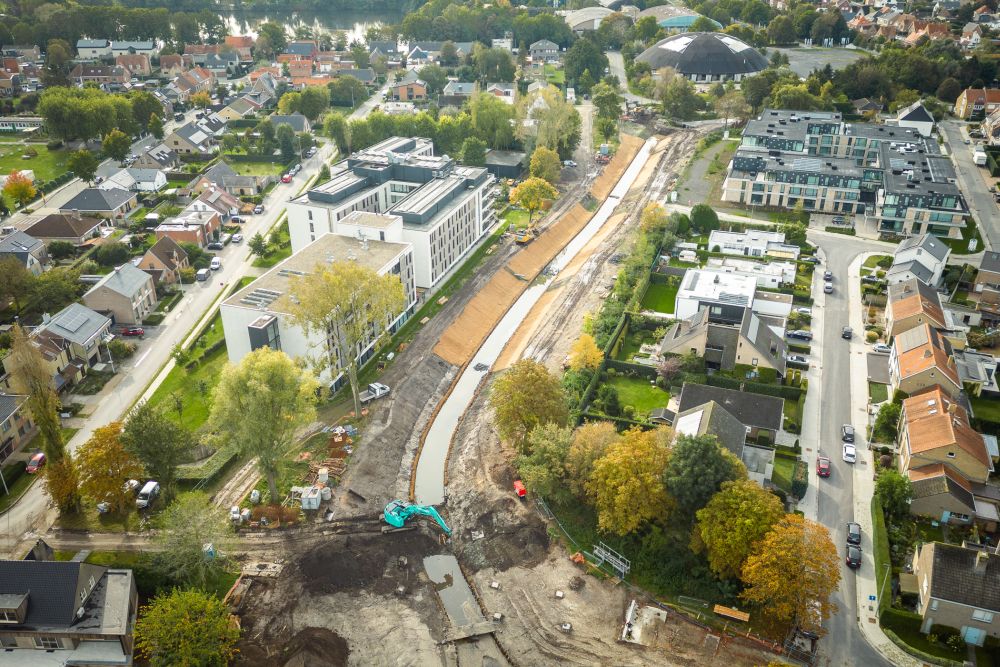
(878, 367)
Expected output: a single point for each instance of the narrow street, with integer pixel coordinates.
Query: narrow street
(976, 191)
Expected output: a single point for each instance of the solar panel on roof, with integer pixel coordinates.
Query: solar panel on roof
(806, 164)
(72, 321)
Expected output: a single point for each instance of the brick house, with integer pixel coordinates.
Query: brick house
(127, 293)
(164, 261)
(959, 587)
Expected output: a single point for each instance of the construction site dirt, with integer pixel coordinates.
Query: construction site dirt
(364, 597)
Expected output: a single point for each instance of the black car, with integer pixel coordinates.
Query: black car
(854, 534)
(847, 433)
(809, 259)
(869, 279)
(215, 245)
(853, 557)
(847, 333)
(800, 334)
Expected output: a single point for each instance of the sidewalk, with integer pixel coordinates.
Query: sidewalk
(864, 484)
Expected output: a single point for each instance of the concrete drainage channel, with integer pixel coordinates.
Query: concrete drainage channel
(456, 595)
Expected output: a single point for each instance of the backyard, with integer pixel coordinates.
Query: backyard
(879, 392)
(661, 297)
(640, 393)
(555, 76)
(986, 409)
(516, 218)
(257, 168)
(784, 469)
(47, 164)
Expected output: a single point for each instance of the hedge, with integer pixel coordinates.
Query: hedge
(800, 479)
(846, 231)
(648, 372)
(621, 423)
(206, 471)
(788, 393)
(153, 319)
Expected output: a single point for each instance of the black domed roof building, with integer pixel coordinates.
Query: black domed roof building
(705, 56)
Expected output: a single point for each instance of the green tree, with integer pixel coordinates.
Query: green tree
(314, 101)
(16, 281)
(734, 521)
(895, 491)
(704, 219)
(698, 467)
(83, 164)
(105, 466)
(677, 94)
(116, 145)
(258, 245)
(258, 406)
(887, 422)
(703, 24)
(350, 305)
(491, 120)
(275, 33)
(543, 470)
(781, 30)
(605, 128)
(286, 141)
(112, 254)
(733, 105)
(606, 100)
(553, 122)
(160, 443)
(545, 164)
(335, 127)
(474, 152)
(531, 194)
(156, 126)
(524, 397)
(583, 56)
(54, 289)
(19, 188)
(188, 524)
(347, 91)
(435, 76)
(186, 627)
(493, 64)
(144, 107)
(626, 485)
(61, 250)
(590, 443)
(201, 100)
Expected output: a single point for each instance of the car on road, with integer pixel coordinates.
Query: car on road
(828, 288)
(133, 331)
(215, 245)
(35, 463)
(967, 141)
(569, 163)
(828, 276)
(311, 152)
(847, 333)
(215, 264)
(799, 334)
(854, 533)
(850, 453)
(822, 466)
(804, 311)
(847, 433)
(237, 238)
(881, 348)
(796, 359)
(236, 220)
(258, 209)
(286, 178)
(853, 559)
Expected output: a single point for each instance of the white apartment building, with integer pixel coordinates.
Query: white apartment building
(258, 316)
(751, 243)
(767, 274)
(443, 209)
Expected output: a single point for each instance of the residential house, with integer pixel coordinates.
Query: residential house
(986, 287)
(16, 427)
(243, 45)
(83, 330)
(543, 51)
(990, 127)
(158, 157)
(752, 243)
(199, 223)
(259, 315)
(502, 164)
(66, 613)
(918, 117)
(73, 228)
(173, 65)
(423, 53)
(300, 68)
(164, 261)
(241, 107)
(959, 587)
(923, 256)
(505, 91)
(771, 275)
(940, 493)
(305, 49)
(298, 122)
(102, 75)
(912, 303)
(701, 288)
(193, 81)
(198, 53)
(972, 34)
(217, 199)
(10, 84)
(505, 43)
(136, 63)
(408, 89)
(934, 429)
(977, 371)
(144, 47)
(27, 250)
(921, 359)
(136, 179)
(712, 419)
(760, 414)
(127, 294)
(727, 339)
(365, 75)
(191, 139)
(383, 48)
(113, 203)
(974, 102)
(457, 93)
(93, 49)
(224, 176)
(223, 64)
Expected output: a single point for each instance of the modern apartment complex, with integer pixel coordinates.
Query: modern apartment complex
(889, 173)
(443, 209)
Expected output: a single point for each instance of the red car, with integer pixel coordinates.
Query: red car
(133, 331)
(36, 463)
(286, 178)
(823, 466)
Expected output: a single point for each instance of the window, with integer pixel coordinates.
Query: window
(983, 616)
(8, 616)
(46, 642)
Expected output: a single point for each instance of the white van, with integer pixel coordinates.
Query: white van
(148, 494)
(216, 264)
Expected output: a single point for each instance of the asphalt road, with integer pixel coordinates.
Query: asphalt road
(616, 64)
(976, 191)
(843, 645)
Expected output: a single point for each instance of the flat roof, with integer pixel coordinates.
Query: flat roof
(718, 285)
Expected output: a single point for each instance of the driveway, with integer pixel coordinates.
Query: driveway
(975, 189)
(616, 64)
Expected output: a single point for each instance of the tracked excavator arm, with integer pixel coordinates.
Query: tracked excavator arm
(398, 512)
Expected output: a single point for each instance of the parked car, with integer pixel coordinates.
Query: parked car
(203, 275)
(870, 279)
(853, 557)
(216, 264)
(881, 348)
(215, 245)
(569, 163)
(828, 276)
(236, 220)
(258, 209)
(804, 311)
(799, 334)
(809, 259)
(822, 466)
(148, 494)
(133, 331)
(36, 463)
(796, 359)
(131, 486)
(847, 433)
(286, 178)
(311, 152)
(237, 238)
(847, 333)
(854, 533)
(850, 453)
(828, 288)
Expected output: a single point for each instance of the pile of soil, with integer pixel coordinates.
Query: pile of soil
(361, 561)
(316, 647)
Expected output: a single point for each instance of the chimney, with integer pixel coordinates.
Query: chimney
(952, 407)
(928, 354)
(982, 560)
(76, 213)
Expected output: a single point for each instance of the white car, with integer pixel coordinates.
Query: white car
(804, 311)
(881, 348)
(569, 163)
(237, 238)
(216, 264)
(850, 453)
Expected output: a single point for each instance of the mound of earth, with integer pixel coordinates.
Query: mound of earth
(316, 647)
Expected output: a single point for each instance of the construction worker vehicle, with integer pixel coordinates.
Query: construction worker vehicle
(526, 235)
(398, 512)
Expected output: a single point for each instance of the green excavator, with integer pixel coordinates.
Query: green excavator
(398, 512)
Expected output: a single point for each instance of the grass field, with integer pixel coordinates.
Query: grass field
(878, 392)
(276, 253)
(184, 388)
(784, 468)
(986, 409)
(661, 298)
(554, 75)
(640, 394)
(517, 218)
(257, 168)
(46, 165)
(880, 542)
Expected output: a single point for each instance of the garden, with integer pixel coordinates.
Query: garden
(661, 295)
(257, 168)
(45, 162)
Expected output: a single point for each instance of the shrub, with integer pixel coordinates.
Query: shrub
(54, 144)
(121, 349)
(153, 319)
(628, 411)
(871, 336)
(188, 275)
(800, 479)
(955, 643)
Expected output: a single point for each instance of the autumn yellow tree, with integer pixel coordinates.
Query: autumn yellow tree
(734, 521)
(590, 443)
(105, 466)
(545, 164)
(201, 99)
(526, 395)
(627, 485)
(792, 572)
(349, 305)
(532, 194)
(585, 355)
(19, 188)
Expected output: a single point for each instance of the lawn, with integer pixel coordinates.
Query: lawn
(872, 262)
(257, 168)
(17, 488)
(878, 392)
(46, 165)
(961, 246)
(880, 542)
(661, 298)
(784, 469)
(186, 387)
(516, 218)
(986, 409)
(554, 75)
(639, 393)
(276, 253)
